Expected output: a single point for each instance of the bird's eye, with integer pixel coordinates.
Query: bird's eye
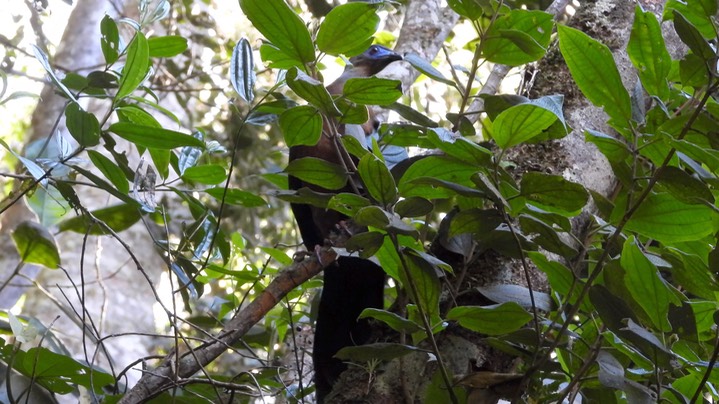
(373, 50)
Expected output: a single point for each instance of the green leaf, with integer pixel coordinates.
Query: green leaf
(427, 69)
(337, 36)
(83, 126)
(414, 206)
(518, 37)
(367, 243)
(312, 91)
(495, 319)
(425, 281)
(137, 115)
(596, 74)
(117, 218)
(649, 54)
(412, 115)
(237, 197)
(460, 148)
(684, 187)
(382, 350)
(553, 193)
(691, 36)
(475, 221)
(276, 58)
(110, 170)
(466, 8)
(282, 27)
(372, 216)
(166, 46)
(668, 220)
(520, 123)
(104, 185)
(347, 203)
(547, 237)
(646, 285)
(136, 66)
(691, 273)
(372, 90)
(161, 159)
(698, 12)
(435, 167)
(301, 125)
(36, 245)
(394, 321)
(377, 179)
(57, 373)
(209, 174)
(242, 70)
(613, 149)
(153, 138)
(110, 40)
(318, 172)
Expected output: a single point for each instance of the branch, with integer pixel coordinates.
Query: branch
(170, 373)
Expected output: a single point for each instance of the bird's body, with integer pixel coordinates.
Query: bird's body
(352, 284)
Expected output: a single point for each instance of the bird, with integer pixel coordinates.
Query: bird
(351, 284)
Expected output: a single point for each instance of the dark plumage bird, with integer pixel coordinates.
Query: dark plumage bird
(352, 284)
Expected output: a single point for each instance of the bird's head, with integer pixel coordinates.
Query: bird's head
(374, 59)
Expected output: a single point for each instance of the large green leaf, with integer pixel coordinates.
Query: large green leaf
(313, 91)
(154, 138)
(554, 193)
(136, 66)
(282, 27)
(595, 72)
(475, 221)
(698, 12)
(301, 125)
(521, 123)
(238, 197)
(372, 90)
(424, 281)
(206, 174)
(518, 37)
(683, 186)
(110, 170)
(166, 46)
(318, 172)
(646, 286)
(57, 373)
(691, 36)
(337, 36)
(496, 319)
(82, 125)
(110, 40)
(377, 179)
(649, 54)
(36, 245)
(117, 218)
(435, 167)
(612, 148)
(466, 8)
(668, 220)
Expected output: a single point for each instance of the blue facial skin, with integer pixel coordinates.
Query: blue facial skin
(379, 52)
(375, 58)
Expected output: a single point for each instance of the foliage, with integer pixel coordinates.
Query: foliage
(631, 309)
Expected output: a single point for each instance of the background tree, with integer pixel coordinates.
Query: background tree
(523, 267)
